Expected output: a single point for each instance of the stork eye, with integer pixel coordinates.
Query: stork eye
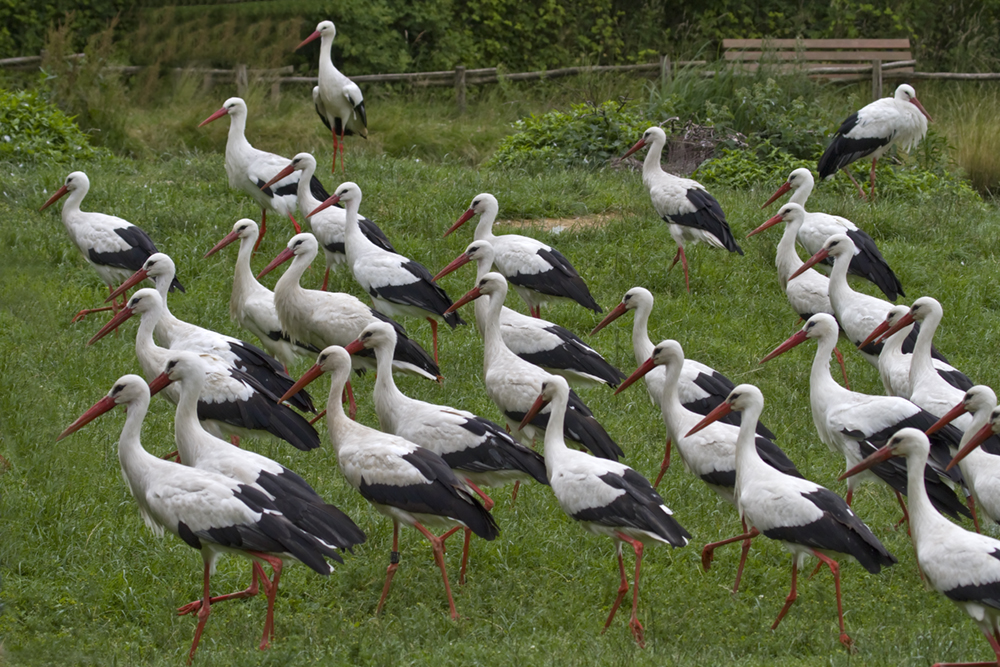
(118, 389)
(475, 203)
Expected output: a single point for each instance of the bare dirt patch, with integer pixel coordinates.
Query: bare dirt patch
(561, 224)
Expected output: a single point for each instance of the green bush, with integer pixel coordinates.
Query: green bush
(30, 126)
(586, 135)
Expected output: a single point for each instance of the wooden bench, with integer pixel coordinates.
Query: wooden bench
(829, 58)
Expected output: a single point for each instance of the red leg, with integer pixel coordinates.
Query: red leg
(272, 592)
(861, 190)
(535, 311)
(352, 407)
(318, 417)
(633, 623)
(708, 552)
(744, 551)
(684, 265)
(791, 595)
(172, 456)
(835, 570)
(906, 515)
(295, 224)
(819, 566)
(622, 588)
(664, 465)
(333, 167)
(263, 228)
(465, 557)
(393, 566)
(234, 440)
(326, 278)
(850, 496)
(513, 494)
(971, 502)
(249, 592)
(487, 501)
(206, 609)
(343, 128)
(437, 544)
(871, 187)
(87, 311)
(843, 368)
(434, 324)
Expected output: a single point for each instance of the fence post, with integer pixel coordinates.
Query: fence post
(207, 81)
(460, 87)
(664, 70)
(876, 79)
(241, 80)
(276, 89)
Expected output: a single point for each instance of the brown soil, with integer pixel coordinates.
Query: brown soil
(567, 224)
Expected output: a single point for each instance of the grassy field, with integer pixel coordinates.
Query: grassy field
(84, 582)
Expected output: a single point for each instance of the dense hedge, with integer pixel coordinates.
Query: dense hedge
(398, 35)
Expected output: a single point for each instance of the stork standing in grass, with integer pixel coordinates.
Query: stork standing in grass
(692, 214)
(114, 247)
(807, 518)
(338, 100)
(606, 497)
(872, 130)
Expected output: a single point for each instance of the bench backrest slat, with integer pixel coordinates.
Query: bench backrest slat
(817, 43)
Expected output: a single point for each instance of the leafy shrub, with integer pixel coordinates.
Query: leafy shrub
(748, 168)
(586, 135)
(30, 126)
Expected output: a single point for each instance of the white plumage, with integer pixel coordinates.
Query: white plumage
(872, 130)
(692, 214)
(538, 272)
(545, 344)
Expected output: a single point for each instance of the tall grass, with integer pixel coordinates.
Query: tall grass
(968, 114)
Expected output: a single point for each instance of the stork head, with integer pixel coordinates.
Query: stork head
(742, 398)
(244, 230)
(892, 318)
(921, 309)
(636, 297)
(837, 246)
(180, 367)
(653, 136)
(791, 214)
(234, 106)
(668, 354)
(906, 93)
(347, 192)
(554, 388)
(820, 325)
(159, 265)
(481, 203)
(77, 180)
(128, 390)
(376, 334)
(904, 442)
(301, 162)
(324, 29)
(491, 284)
(303, 244)
(979, 397)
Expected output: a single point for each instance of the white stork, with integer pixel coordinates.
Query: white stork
(961, 565)
(114, 247)
(177, 334)
(872, 130)
(539, 273)
(807, 518)
(850, 422)
(211, 512)
(322, 319)
(513, 383)
(405, 482)
(545, 344)
(338, 100)
(857, 313)
(397, 285)
(251, 305)
(816, 228)
(476, 449)
(894, 364)
(232, 402)
(709, 455)
(249, 169)
(606, 497)
(328, 225)
(691, 213)
(980, 469)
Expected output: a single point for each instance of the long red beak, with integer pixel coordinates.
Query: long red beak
(536, 407)
(277, 177)
(820, 255)
(977, 439)
(903, 321)
(131, 282)
(96, 410)
(786, 186)
(314, 372)
(795, 339)
(282, 257)
(883, 454)
(771, 222)
(618, 311)
(461, 221)
(226, 240)
(948, 418)
(215, 116)
(922, 109)
(159, 383)
(639, 144)
(461, 260)
(875, 334)
(471, 295)
(720, 411)
(55, 197)
(354, 347)
(331, 200)
(644, 368)
(308, 39)
(122, 315)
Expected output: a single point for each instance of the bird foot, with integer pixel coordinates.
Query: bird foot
(707, 555)
(189, 608)
(848, 642)
(638, 632)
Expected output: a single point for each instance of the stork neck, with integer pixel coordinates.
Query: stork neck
(187, 428)
(353, 238)
(922, 365)
(786, 258)
(893, 345)
(484, 229)
(821, 381)
(288, 283)
(922, 513)
(642, 346)
(166, 323)
(489, 325)
(651, 165)
(130, 451)
(326, 54)
(237, 139)
(336, 419)
(839, 286)
(670, 402)
(555, 444)
(801, 194)
(747, 458)
(386, 391)
(243, 278)
(304, 193)
(72, 204)
(146, 348)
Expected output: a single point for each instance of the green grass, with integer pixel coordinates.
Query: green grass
(84, 582)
